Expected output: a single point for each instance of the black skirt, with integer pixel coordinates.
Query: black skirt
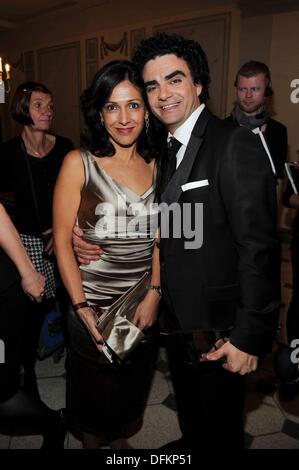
(105, 398)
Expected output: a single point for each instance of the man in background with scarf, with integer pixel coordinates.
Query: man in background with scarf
(253, 86)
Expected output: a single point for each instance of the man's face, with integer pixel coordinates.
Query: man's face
(171, 93)
(251, 93)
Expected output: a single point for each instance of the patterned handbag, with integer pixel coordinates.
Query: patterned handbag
(34, 246)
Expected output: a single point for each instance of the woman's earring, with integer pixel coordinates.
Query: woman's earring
(147, 124)
(102, 120)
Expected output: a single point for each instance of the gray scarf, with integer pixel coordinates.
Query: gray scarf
(249, 121)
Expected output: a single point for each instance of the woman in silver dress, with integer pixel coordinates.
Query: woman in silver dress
(108, 186)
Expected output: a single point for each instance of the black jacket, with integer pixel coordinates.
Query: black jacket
(277, 140)
(232, 280)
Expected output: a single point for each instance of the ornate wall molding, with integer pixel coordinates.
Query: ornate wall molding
(59, 68)
(136, 37)
(121, 46)
(91, 58)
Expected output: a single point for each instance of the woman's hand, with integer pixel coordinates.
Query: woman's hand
(146, 312)
(33, 284)
(88, 317)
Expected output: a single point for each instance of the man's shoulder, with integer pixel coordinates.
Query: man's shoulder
(230, 118)
(226, 126)
(217, 129)
(276, 125)
(223, 134)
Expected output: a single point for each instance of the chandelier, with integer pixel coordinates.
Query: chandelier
(4, 79)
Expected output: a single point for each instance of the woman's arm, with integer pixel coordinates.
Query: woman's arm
(33, 283)
(146, 312)
(289, 198)
(294, 201)
(67, 195)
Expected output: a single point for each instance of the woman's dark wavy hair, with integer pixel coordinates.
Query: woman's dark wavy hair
(186, 49)
(94, 136)
(20, 103)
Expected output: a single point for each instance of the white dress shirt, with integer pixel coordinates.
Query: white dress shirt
(183, 133)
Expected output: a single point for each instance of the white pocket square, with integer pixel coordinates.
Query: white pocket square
(195, 184)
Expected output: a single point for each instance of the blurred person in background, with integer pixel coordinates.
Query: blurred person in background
(21, 412)
(29, 167)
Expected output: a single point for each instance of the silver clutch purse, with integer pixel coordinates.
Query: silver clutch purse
(120, 335)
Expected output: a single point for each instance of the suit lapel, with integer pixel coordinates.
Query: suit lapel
(163, 169)
(173, 190)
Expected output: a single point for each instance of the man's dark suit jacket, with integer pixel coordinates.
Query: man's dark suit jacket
(232, 280)
(277, 140)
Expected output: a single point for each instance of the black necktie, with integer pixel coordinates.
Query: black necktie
(173, 146)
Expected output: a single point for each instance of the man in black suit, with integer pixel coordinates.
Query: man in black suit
(253, 93)
(229, 287)
(221, 287)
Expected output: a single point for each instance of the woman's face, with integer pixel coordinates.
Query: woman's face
(41, 110)
(124, 113)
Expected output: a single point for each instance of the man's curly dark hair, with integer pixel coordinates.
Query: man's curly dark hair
(187, 49)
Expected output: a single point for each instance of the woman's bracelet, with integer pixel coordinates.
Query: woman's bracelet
(79, 305)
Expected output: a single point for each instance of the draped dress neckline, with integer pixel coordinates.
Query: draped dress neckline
(116, 183)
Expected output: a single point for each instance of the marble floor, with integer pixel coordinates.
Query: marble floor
(269, 423)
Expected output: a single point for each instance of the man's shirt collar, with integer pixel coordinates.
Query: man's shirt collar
(183, 133)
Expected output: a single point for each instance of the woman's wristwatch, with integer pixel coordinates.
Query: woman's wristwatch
(156, 288)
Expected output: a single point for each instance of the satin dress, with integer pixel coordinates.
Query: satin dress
(123, 224)
(102, 397)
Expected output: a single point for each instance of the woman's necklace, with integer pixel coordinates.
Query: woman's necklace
(32, 151)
